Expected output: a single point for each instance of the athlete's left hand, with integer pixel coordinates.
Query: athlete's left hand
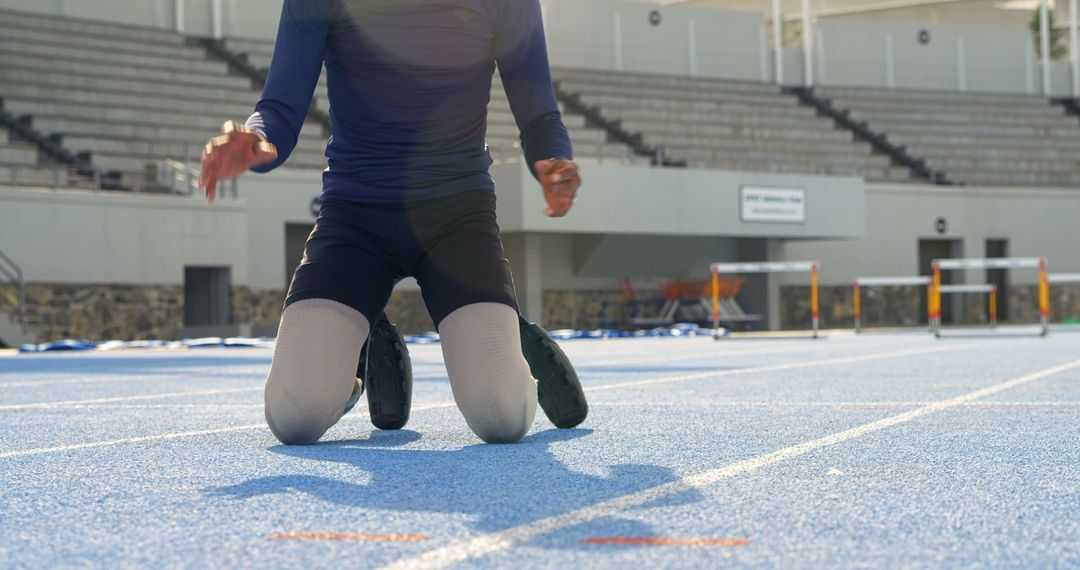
(560, 180)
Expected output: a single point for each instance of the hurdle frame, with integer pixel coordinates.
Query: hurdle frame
(768, 267)
(861, 282)
(1039, 263)
(988, 288)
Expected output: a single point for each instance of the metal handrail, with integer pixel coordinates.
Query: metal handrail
(14, 274)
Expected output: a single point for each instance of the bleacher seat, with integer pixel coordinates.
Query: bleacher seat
(127, 96)
(975, 138)
(20, 165)
(733, 125)
(502, 136)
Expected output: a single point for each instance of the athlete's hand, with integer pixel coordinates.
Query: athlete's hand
(232, 154)
(561, 180)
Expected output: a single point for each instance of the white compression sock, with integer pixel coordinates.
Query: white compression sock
(490, 378)
(314, 369)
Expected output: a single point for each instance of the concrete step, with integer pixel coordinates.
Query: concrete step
(88, 28)
(118, 60)
(1002, 118)
(763, 156)
(897, 130)
(49, 97)
(194, 130)
(64, 81)
(502, 149)
(1049, 155)
(952, 163)
(782, 167)
(684, 97)
(45, 176)
(131, 116)
(136, 164)
(738, 143)
(988, 178)
(634, 80)
(18, 153)
(149, 149)
(97, 69)
(728, 119)
(627, 101)
(246, 45)
(995, 145)
(780, 133)
(941, 97)
(1035, 108)
(118, 44)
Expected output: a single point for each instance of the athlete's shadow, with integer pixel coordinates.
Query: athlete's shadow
(499, 486)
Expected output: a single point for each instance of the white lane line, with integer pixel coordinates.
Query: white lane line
(760, 404)
(162, 437)
(450, 404)
(778, 367)
(178, 435)
(51, 405)
(581, 361)
(636, 405)
(161, 376)
(487, 544)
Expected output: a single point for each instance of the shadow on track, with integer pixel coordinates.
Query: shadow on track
(498, 486)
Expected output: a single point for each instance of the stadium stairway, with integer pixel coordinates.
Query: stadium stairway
(731, 125)
(987, 139)
(862, 131)
(119, 98)
(590, 142)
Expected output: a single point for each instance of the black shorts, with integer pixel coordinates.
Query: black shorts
(452, 246)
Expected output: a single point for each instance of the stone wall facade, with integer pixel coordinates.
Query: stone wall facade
(904, 306)
(128, 312)
(125, 312)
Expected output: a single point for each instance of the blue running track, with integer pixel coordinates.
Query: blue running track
(882, 450)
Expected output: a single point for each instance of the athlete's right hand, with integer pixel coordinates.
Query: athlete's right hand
(232, 154)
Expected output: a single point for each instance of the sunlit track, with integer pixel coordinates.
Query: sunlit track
(668, 470)
(484, 545)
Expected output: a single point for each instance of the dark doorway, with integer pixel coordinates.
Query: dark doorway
(295, 237)
(207, 292)
(1000, 277)
(929, 250)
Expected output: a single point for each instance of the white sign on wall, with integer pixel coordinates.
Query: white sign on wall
(773, 205)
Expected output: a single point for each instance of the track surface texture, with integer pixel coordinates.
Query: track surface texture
(882, 450)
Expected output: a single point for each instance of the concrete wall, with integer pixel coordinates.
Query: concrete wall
(626, 226)
(617, 34)
(1036, 223)
(614, 35)
(707, 204)
(975, 58)
(110, 237)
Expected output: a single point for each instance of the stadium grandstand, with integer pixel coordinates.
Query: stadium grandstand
(702, 100)
(878, 200)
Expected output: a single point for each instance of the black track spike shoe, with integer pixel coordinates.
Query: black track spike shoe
(559, 389)
(387, 373)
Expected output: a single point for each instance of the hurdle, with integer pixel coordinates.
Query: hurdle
(861, 282)
(1039, 263)
(989, 288)
(811, 267)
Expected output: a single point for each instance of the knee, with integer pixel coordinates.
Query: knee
(500, 426)
(497, 416)
(294, 423)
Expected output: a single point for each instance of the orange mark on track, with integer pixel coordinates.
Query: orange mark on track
(655, 541)
(348, 536)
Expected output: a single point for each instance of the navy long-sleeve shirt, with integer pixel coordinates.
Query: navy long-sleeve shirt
(409, 83)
